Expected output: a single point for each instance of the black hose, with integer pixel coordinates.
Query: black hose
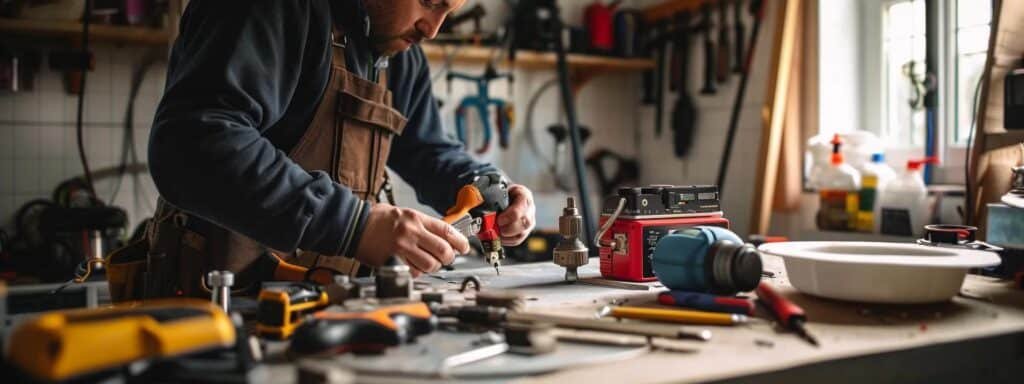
(968, 200)
(758, 7)
(574, 131)
(86, 15)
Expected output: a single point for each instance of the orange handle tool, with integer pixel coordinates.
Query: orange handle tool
(469, 197)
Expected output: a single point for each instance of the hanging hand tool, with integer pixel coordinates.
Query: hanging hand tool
(64, 345)
(659, 45)
(707, 302)
(672, 315)
(282, 306)
(475, 214)
(482, 103)
(330, 332)
(789, 314)
(707, 26)
(722, 69)
(684, 113)
(739, 32)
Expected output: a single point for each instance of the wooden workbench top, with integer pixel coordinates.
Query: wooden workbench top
(990, 307)
(846, 331)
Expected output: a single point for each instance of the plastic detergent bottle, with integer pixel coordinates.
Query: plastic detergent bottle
(873, 176)
(837, 190)
(903, 202)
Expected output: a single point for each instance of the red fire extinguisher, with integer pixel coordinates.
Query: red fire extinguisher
(599, 18)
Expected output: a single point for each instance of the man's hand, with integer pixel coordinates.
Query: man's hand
(422, 242)
(516, 222)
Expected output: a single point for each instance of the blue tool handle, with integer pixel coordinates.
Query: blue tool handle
(707, 302)
(481, 106)
(460, 123)
(502, 120)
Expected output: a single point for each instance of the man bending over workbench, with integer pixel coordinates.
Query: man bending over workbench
(274, 131)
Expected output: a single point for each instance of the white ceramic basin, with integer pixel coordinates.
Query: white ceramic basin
(895, 273)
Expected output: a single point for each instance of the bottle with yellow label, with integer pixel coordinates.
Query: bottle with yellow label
(838, 193)
(873, 177)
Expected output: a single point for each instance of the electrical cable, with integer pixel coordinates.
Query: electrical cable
(129, 153)
(531, 136)
(968, 202)
(86, 15)
(574, 129)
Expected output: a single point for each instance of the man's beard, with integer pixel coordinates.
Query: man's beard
(390, 45)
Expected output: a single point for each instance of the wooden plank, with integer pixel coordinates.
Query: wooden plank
(787, 22)
(669, 8)
(73, 29)
(535, 60)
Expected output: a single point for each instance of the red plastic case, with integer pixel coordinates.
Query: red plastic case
(632, 260)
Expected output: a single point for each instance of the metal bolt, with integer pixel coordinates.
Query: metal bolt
(220, 283)
(570, 252)
(394, 281)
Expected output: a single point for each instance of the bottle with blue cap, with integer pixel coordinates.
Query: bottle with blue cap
(707, 259)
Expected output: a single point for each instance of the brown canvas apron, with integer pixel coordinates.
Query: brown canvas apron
(349, 138)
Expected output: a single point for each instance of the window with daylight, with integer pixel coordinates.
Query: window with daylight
(973, 22)
(964, 33)
(903, 74)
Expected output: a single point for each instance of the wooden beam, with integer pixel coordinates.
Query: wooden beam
(668, 8)
(73, 29)
(786, 22)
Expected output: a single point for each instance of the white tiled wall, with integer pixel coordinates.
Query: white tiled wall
(37, 143)
(38, 146)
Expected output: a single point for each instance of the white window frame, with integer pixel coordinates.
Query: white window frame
(951, 154)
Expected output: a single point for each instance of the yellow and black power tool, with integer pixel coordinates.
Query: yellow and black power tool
(70, 344)
(282, 307)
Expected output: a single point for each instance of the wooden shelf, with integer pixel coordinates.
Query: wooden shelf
(582, 67)
(536, 60)
(73, 29)
(668, 8)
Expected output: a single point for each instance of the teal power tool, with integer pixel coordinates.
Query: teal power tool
(707, 259)
(482, 102)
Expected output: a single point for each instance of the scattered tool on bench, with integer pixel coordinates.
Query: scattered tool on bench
(472, 356)
(70, 344)
(282, 306)
(475, 214)
(672, 315)
(340, 331)
(789, 314)
(491, 316)
(220, 283)
(393, 280)
(570, 252)
(707, 302)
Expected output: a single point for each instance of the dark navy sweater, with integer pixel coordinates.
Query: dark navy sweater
(243, 82)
